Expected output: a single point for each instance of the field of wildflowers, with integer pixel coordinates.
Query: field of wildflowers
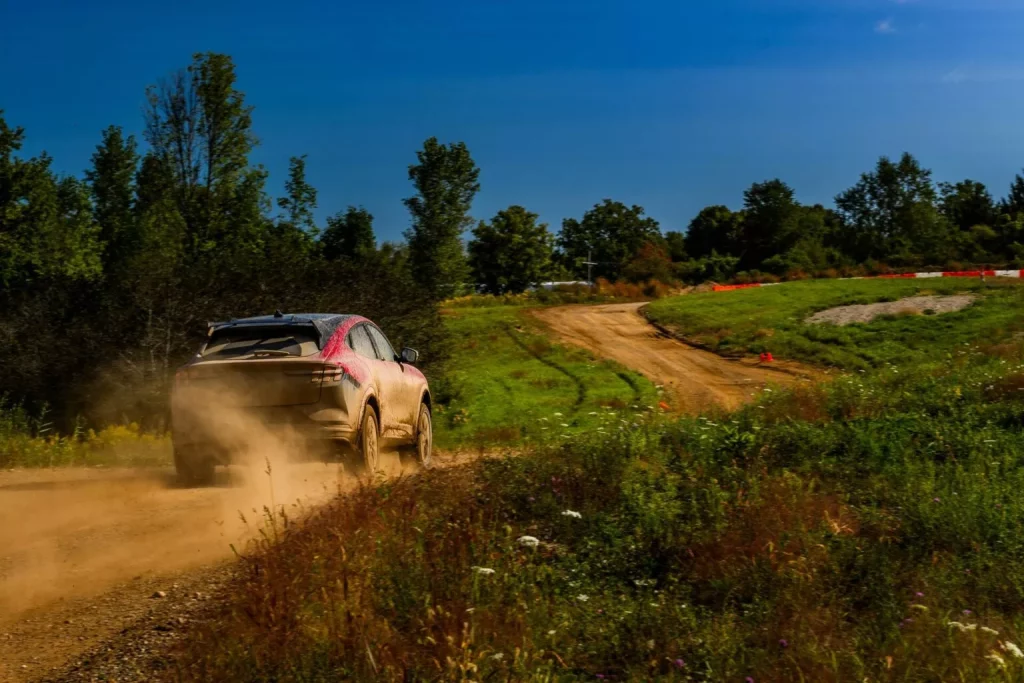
(868, 529)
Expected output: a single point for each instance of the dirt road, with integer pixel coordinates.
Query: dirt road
(697, 379)
(83, 551)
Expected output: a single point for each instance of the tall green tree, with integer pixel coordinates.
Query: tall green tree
(198, 124)
(611, 233)
(446, 180)
(349, 235)
(714, 229)
(891, 213)
(1014, 202)
(675, 245)
(966, 204)
(511, 252)
(770, 222)
(300, 201)
(111, 181)
(46, 224)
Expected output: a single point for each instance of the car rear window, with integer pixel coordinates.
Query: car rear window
(262, 342)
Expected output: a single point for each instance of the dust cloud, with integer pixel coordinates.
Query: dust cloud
(76, 532)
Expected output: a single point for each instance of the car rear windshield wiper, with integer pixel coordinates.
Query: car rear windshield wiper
(267, 352)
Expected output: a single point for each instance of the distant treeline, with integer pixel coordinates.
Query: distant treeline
(108, 279)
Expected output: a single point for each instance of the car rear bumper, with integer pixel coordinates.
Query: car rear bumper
(227, 433)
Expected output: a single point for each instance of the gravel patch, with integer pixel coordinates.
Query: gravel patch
(915, 305)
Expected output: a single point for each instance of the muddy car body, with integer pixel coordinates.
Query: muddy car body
(332, 380)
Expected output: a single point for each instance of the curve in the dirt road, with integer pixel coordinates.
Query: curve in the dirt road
(696, 379)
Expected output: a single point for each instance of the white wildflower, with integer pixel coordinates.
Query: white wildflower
(1013, 650)
(498, 656)
(572, 513)
(486, 571)
(529, 541)
(558, 415)
(963, 628)
(592, 413)
(582, 597)
(920, 608)
(990, 631)
(564, 424)
(995, 659)
(551, 632)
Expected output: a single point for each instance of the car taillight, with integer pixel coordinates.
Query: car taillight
(331, 374)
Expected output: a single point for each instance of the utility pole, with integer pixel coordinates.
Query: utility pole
(589, 264)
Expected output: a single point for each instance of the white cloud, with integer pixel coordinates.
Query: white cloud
(885, 26)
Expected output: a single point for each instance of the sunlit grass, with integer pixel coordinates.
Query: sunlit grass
(515, 386)
(772, 319)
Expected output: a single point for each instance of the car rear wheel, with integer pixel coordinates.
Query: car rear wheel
(193, 468)
(369, 443)
(424, 437)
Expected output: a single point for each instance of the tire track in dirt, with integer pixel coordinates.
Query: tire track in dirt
(698, 380)
(581, 389)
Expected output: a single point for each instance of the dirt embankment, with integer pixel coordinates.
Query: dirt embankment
(697, 379)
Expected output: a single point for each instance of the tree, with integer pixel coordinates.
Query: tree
(446, 182)
(675, 245)
(611, 234)
(46, 225)
(348, 235)
(512, 252)
(967, 204)
(651, 262)
(891, 213)
(1014, 202)
(714, 229)
(770, 222)
(198, 124)
(112, 184)
(300, 201)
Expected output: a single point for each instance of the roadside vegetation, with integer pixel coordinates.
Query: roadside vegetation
(773, 319)
(869, 528)
(32, 441)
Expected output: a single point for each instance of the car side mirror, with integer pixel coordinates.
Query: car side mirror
(410, 356)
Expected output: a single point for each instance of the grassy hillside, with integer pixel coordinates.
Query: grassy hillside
(514, 385)
(771, 319)
(872, 529)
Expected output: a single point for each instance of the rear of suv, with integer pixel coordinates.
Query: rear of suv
(327, 379)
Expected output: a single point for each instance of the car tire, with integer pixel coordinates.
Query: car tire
(423, 447)
(193, 468)
(368, 460)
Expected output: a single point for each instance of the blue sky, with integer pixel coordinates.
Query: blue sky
(672, 105)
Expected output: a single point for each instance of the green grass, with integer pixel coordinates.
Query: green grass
(831, 534)
(515, 386)
(771, 319)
